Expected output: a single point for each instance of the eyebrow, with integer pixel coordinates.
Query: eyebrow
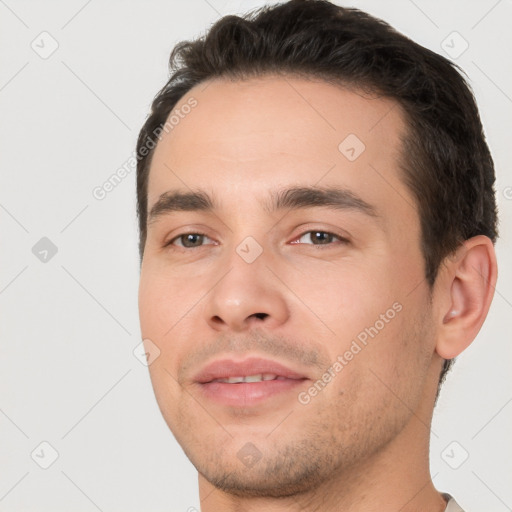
(289, 199)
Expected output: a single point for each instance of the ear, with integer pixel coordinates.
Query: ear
(464, 294)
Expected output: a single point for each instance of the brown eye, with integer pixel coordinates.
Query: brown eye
(188, 240)
(319, 238)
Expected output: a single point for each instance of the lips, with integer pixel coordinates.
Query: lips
(248, 371)
(253, 383)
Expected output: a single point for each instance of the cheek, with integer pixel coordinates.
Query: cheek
(164, 299)
(152, 304)
(168, 309)
(346, 298)
(398, 359)
(157, 317)
(369, 324)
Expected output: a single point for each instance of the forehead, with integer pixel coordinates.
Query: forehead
(242, 138)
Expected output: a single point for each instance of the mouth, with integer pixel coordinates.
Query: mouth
(260, 377)
(247, 383)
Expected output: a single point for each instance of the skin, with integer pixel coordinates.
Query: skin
(362, 443)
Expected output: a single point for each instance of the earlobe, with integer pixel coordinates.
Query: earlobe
(468, 289)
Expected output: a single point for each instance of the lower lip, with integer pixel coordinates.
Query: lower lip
(245, 394)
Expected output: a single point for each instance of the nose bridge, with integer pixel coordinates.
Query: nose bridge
(247, 293)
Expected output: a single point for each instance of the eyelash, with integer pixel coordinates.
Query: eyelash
(341, 239)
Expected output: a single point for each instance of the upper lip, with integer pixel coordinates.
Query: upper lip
(225, 368)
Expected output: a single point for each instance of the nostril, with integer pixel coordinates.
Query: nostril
(261, 316)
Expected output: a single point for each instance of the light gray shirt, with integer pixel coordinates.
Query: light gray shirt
(452, 506)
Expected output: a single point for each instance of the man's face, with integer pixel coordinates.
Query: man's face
(305, 285)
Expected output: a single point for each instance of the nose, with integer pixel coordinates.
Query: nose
(247, 296)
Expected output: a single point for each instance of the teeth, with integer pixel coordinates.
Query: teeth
(253, 378)
(249, 378)
(234, 380)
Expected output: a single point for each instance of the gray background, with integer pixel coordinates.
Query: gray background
(69, 320)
